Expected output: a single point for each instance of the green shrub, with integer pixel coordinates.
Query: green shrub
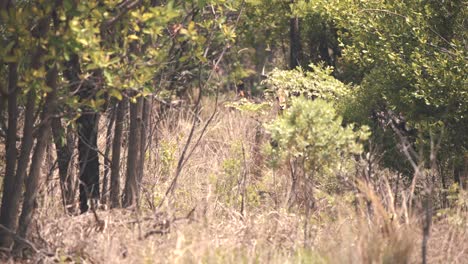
(167, 152)
(312, 132)
(317, 83)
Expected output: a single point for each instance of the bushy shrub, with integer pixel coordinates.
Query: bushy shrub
(313, 132)
(316, 83)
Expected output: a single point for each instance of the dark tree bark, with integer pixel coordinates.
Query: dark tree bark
(26, 146)
(64, 147)
(107, 162)
(295, 42)
(131, 190)
(32, 183)
(397, 187)
(143, 132)
(324, 48)
(88, 158)
(14, 177)
(6, 4)
(116, 150)
(8, 216)
(3, 97)
(87, 135)
(48, 169)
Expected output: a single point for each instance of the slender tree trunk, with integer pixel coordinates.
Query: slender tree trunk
(397, 186)
(8, 214)
(14, 181)
(131, 190)
(295, 42)
(32, 183)
(143, 132)
(26, 147)
(49, 168)
(293, 191)
(116, 150)
(457, 171)
(107, 162)
(64, 147)
(444, 186)
(325, 51)
(3, 97)
(427, 222)
(88, 158)
(257, 153)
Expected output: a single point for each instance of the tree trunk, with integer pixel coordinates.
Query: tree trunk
(143, 131)
(107, 162)
(48, 169)
(88, 158)
(131, 190)
(8, 214)
(3, 97)
(87, 136)
(64, 147)
(13, 182)
(116, 150)
(295, 42)
(26, 147)
(457, 171)
(323, 47)
(32, 183)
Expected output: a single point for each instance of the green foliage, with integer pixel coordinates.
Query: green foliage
(307, 255)
(313, 130)
(250, 108)
(167, 151)
(274, 155)
(458, 199)
(411, 56)
(316, 83)
(228, 184)
(120, 47)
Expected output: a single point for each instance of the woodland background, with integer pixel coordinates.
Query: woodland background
(226, 131)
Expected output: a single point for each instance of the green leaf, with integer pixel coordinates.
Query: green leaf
(115, 93)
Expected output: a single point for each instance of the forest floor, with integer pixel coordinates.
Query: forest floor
(221, 213)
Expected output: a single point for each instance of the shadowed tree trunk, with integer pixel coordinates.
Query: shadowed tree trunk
(295, 42)
(88, 158)
(131, 190)
(26, 147)
(143, 132)
(324, 50)
(3, 97)
(14, 181)
(64, 143)
(87, 135)
(116, 150)
(32, 183)
(8, 214)
(107, 162)
(48, 169)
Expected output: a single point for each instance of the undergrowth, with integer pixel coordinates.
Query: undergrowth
(222, 213)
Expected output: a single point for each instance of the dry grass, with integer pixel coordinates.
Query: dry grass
(202, 222)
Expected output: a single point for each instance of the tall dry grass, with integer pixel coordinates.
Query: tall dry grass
(203, 222)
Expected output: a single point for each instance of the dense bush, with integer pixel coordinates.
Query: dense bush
(313, 132)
